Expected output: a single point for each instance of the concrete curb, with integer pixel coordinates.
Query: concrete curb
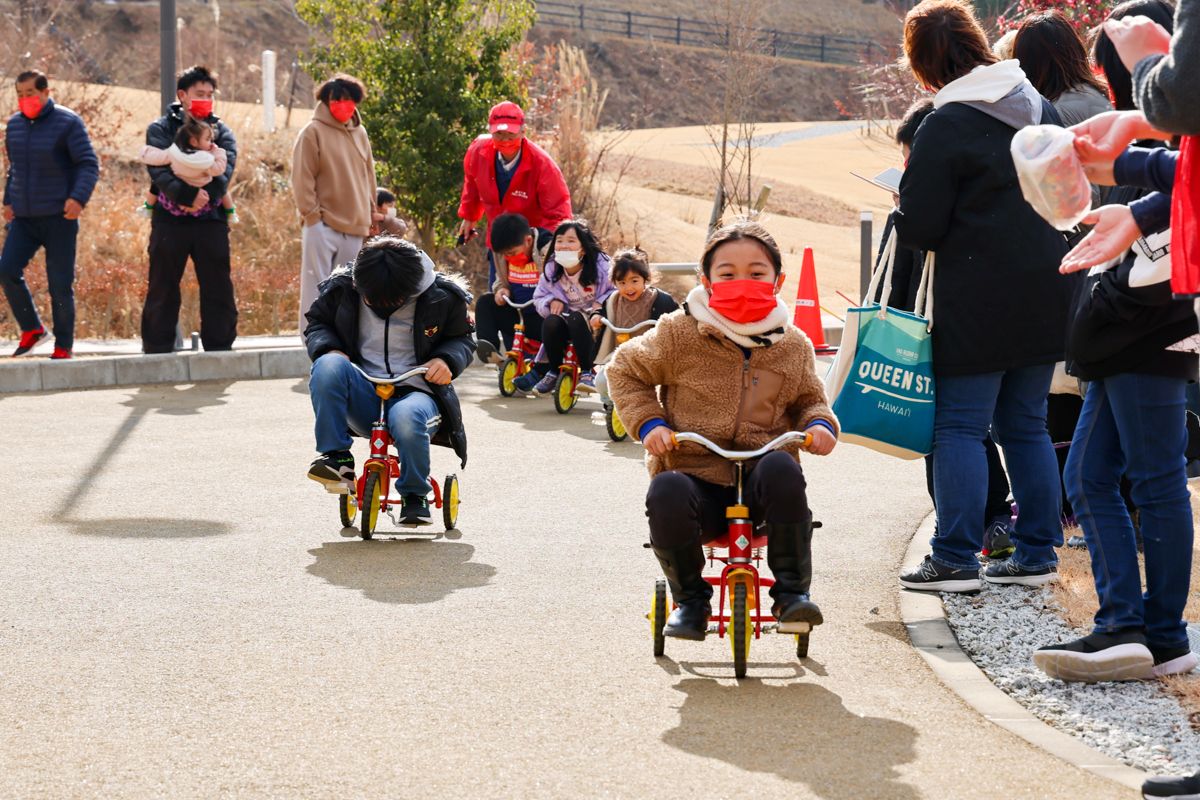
(925, 618)
(44, 375)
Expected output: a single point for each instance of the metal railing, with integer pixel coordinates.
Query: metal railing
(700, 33)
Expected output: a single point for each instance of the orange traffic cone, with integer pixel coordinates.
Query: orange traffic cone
(807, 316)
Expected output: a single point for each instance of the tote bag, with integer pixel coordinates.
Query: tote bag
(882, 378)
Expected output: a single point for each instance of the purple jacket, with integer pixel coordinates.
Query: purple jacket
(548, 290)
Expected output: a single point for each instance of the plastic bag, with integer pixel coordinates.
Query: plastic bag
(1051, 177)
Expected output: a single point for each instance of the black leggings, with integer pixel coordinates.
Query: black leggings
(492, 321)
(684, 510)
(572, 326)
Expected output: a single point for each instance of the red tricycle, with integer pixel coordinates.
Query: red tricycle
(371, 492)
(739, 581)
(616, 429)
(520, 357)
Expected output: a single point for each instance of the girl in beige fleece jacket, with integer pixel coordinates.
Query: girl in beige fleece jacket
(733, 368)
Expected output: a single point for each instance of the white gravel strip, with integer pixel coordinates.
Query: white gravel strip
(1136, 722)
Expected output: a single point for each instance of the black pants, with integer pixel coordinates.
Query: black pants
(26, 235)
(495, 321)
(571, 327)
(997, 494)
(687, 511)
(206, 242)
(1062, 415)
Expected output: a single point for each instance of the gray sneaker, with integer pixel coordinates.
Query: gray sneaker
(546, 384)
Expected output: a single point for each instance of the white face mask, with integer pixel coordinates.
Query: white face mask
(391, 212)
(566, 259)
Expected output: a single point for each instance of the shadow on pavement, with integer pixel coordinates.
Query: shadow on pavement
(538, 414)
(798, 731)
(400, 570)
(893, 628)
(161, 399)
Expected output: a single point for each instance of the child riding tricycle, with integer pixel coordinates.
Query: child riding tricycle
(734, 371)
(387, 335)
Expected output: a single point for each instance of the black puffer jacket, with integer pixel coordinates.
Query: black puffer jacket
(161, 134)
(1000, 302)
(1125, 318)
(441, 328)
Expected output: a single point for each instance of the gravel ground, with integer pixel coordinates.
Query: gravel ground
(1138, 723)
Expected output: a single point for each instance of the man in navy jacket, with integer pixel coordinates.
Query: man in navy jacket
(52, 170)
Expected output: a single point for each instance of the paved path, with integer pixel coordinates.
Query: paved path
(181, 617)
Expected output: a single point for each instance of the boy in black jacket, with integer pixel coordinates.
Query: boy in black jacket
(388, 312)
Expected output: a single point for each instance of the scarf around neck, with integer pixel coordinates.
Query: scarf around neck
(763, 333)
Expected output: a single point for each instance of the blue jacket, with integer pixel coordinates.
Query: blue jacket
(50, 160)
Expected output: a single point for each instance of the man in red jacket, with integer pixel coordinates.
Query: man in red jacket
(505, 173)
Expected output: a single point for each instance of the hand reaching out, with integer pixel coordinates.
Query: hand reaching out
(1115, 232)
(1135, 38)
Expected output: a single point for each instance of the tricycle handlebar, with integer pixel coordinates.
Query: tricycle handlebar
(650, 323)
(412, 373)
(805, 439)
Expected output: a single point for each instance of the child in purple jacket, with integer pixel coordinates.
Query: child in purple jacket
(572, 289)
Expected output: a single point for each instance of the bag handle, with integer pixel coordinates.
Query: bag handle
(924, 303)
(883, 271)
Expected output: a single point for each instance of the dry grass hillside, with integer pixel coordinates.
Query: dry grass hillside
(867, 19)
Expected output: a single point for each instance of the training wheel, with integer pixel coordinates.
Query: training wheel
(564, 392)
(450, 502)
(658, 617)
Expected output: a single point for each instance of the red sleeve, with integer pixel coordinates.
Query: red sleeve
(554, 197)
(470, 207)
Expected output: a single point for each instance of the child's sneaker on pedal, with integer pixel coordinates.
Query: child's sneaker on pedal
(545, 384)
(415, 510)
(333, 470)
(997, 539)
(28, 340)
(525, 383)
(796, 613)
(487, 352)
(1010, 572)
(931, 576)
(587, 382)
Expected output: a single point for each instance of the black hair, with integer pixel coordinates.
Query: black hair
(1120, 83)
(193, 75)
(388, 271)
(509, 231)
(383, 196)
(916, 114)
(191, 128)
(40, 81)
(341, 87)
(742, 230)
(591, 252)
(631, 259)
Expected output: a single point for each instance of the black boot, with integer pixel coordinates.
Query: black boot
(683, 567)
(789, 555)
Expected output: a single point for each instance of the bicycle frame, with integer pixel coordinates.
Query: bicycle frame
(521, 347)
(745, 549)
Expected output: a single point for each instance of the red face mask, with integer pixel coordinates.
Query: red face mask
(30, 106)
(200, 109)
(743, 301)
(518, 260)
(342, 110)
(507, 149)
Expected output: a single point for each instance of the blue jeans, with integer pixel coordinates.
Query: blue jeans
(26, 235)
(1013, 405)
(1134, 425)
(344, 402)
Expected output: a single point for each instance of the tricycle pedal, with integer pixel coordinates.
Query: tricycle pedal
(794, 627)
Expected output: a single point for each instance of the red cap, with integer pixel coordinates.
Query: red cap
(506, 116)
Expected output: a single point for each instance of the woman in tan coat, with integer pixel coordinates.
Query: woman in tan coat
(333, 181)
(729, 366)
